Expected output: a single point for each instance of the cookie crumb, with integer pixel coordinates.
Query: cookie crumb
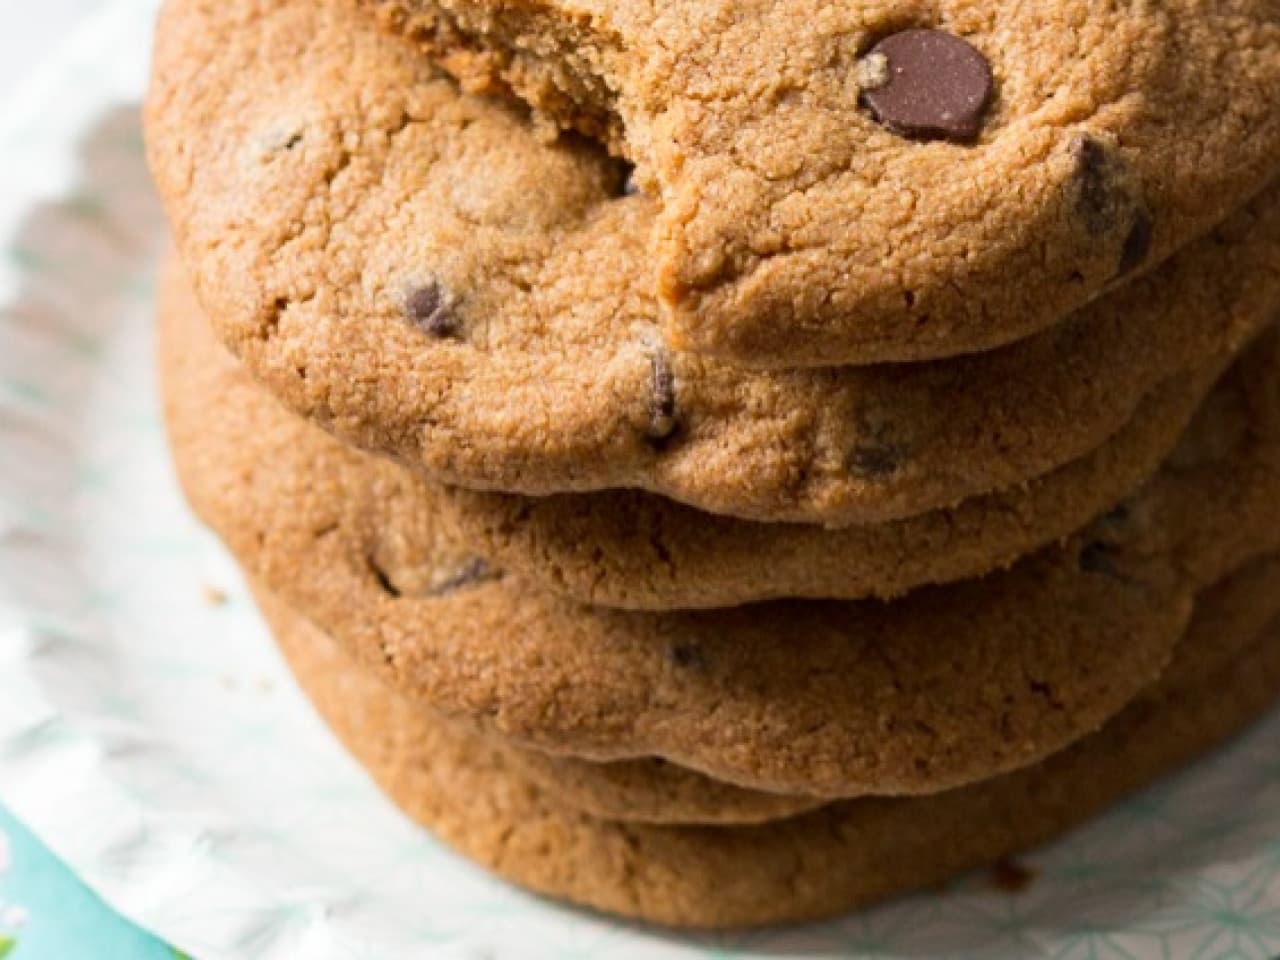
(873, 71)
(1011, 876)
(213, 597)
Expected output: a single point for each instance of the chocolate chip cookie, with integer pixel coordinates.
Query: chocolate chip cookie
(633, 550)
(414, 270)
(862, 182)
(638, 551)
(831, 860)
(1229, 616)
(1034, 657)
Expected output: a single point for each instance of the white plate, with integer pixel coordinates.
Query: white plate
(152, 738)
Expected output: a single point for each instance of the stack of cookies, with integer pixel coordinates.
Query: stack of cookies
(728, 462)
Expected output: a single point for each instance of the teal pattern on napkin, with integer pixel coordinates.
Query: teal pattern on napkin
(46, 914)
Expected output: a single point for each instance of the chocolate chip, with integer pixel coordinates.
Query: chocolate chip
(1098, 557)
(662, 398)
(875, 461)
(1107, 201)
(278, 140)
(1137, 245)
(927, 84)
(686, 656)
(1095, 179)
(474, 571)
(383, 579)
(430, 308)
(880, 448)
(1119, 515)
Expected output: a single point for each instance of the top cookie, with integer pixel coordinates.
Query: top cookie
(869, 181)
(412, 269)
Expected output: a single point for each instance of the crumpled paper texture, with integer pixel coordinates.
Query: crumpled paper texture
(150, 735)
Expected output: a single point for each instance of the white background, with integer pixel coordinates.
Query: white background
(31, 30)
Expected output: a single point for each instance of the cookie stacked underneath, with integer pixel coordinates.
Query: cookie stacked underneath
(663, 628)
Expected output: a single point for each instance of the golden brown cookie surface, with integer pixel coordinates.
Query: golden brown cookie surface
(1035, 657)
(632, 550)
(829, 861)
(1229, 617)
(867, 181)
(427, 279)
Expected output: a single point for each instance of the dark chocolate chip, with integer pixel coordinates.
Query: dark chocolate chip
(687, 656)
(881, 450)
(280, 141)
(1119, 515)
(430, 308)
(384, 579)
(473, 571)
(1106, 201)
(1098, 557)
(662, 398)
(1042, 689)
(875, 460)
(1137, 245)
(927, 84)
(1095, 180)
